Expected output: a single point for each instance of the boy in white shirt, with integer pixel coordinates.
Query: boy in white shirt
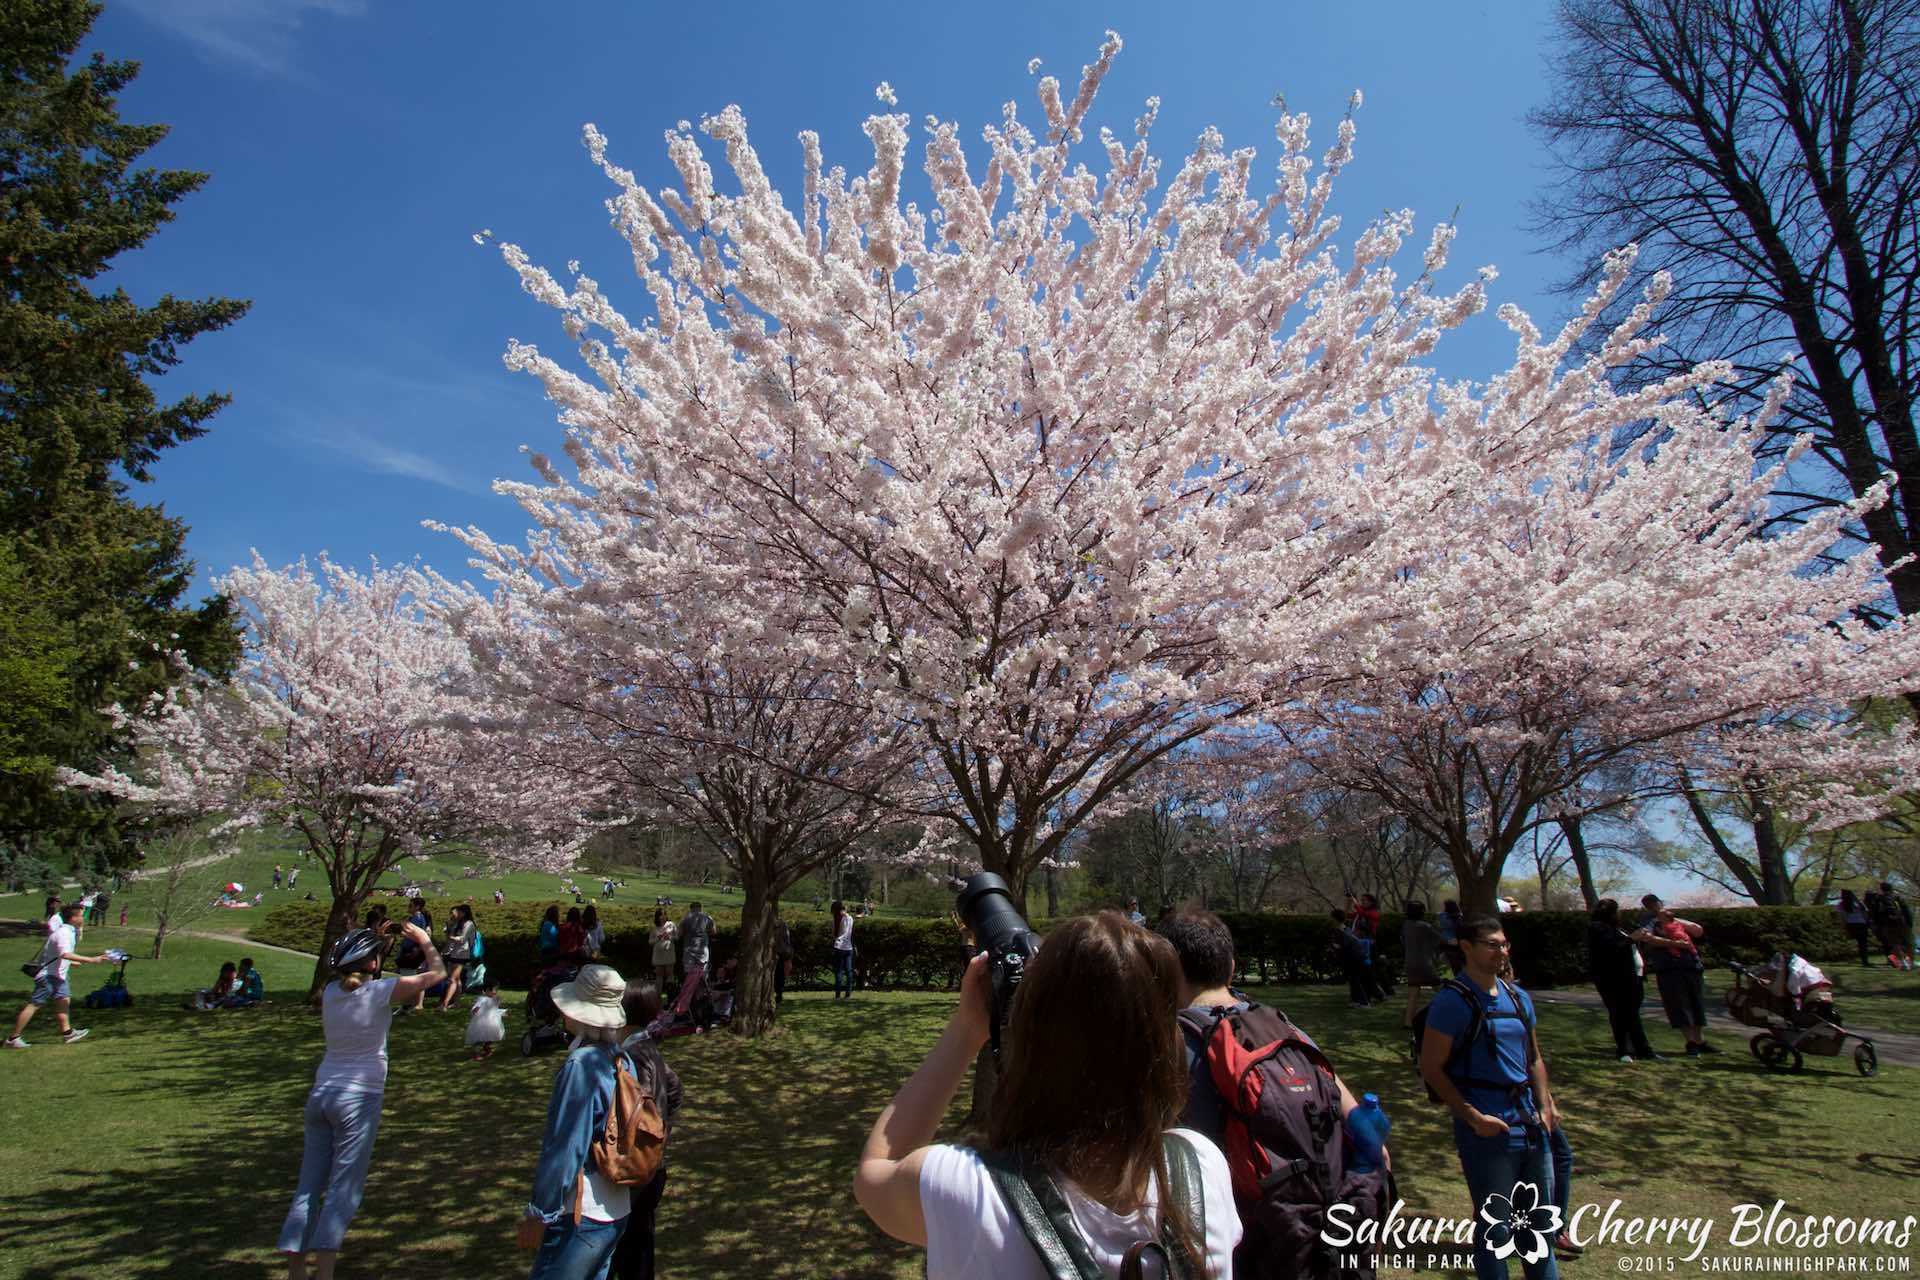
(50, 984)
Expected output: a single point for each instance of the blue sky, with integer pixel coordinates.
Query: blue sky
(356, 146)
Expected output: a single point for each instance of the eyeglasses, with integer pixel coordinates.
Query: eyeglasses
(1491, 944)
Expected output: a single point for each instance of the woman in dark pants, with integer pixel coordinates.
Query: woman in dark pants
(1612, 960)
(633, 1256)
(1853, 918)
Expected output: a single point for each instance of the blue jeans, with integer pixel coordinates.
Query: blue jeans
(1562, 1153)
(1495, 1166)
(340, 1130)
(843, 968)
(576, 1251)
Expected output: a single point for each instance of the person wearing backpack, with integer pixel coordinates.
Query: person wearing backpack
(1480, 1056)
(633, 1257)
(604, 1138)
(1298, 1114)
(1083, 1171)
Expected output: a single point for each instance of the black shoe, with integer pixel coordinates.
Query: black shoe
(1705, 1047)
(1694, 1050)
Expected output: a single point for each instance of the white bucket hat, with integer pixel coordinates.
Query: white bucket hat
(594, 999)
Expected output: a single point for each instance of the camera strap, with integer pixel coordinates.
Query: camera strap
(1046, 1219)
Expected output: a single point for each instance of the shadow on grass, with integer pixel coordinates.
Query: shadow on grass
(203, 1149)
(168, 1144)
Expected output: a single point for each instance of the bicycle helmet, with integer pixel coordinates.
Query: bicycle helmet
(355, 949)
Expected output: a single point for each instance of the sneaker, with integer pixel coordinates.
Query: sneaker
(78, 1033)
(1707, 1046)
(1627, 1058)
(1694, 1050)
(15, 1042)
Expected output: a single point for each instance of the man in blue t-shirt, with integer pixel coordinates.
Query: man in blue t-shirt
(1496, 1087)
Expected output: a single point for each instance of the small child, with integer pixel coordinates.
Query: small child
(487, 1024)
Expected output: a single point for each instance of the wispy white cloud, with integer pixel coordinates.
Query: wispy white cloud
(260, 35)
(378, 456)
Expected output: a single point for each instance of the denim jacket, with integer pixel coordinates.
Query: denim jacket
(582, 1092)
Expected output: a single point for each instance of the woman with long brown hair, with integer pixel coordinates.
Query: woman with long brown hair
(1093, 1079)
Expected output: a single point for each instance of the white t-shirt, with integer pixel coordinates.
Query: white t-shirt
(843, 940)
(973, 1235)
(604, 1201)
(61, 940)
(356, 1025)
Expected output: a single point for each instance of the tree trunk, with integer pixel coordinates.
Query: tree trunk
(753, 1009)
(159, 939)
(1479, 885)
(1053, 895)
(340, 921)
(1776, 888)
(1582, 863)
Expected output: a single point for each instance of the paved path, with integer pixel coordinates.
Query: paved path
(239, 941)
(1889, 1046)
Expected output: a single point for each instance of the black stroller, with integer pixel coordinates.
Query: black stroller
(1791, 1002)
(544, 1023)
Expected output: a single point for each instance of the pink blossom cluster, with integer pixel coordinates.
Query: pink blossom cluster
(1081, 464)
(352, 721)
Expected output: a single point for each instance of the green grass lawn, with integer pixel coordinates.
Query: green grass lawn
(253, 858)
(167, 1143)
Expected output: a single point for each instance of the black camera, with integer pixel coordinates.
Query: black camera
(987, 909)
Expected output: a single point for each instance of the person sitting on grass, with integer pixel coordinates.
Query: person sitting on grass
(50, 981)
(248, 989)
(216, 995)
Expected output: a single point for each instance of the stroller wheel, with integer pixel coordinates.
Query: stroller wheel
(1755, 1045)
(528, 1044)
(1774, 1053)
(1865, 1060)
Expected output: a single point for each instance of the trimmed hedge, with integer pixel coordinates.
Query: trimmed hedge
(1549, 947)
(889, 953)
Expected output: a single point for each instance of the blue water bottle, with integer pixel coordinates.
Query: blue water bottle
(1367, 1129)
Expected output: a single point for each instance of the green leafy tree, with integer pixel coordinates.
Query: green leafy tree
(91, 580)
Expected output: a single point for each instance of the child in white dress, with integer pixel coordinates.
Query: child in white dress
(487, 1024)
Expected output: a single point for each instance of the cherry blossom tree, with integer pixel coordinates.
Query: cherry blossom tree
(351, 723)
(663, 678)
(1591, 604)
(1065, 468)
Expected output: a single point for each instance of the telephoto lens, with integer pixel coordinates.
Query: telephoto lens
(986, 906)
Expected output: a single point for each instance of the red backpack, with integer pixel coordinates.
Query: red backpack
(1285, 1143)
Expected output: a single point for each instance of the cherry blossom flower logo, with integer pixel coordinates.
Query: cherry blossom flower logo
(1519, 1223)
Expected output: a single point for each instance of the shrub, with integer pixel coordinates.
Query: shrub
(889, 953)
(1549, 947)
